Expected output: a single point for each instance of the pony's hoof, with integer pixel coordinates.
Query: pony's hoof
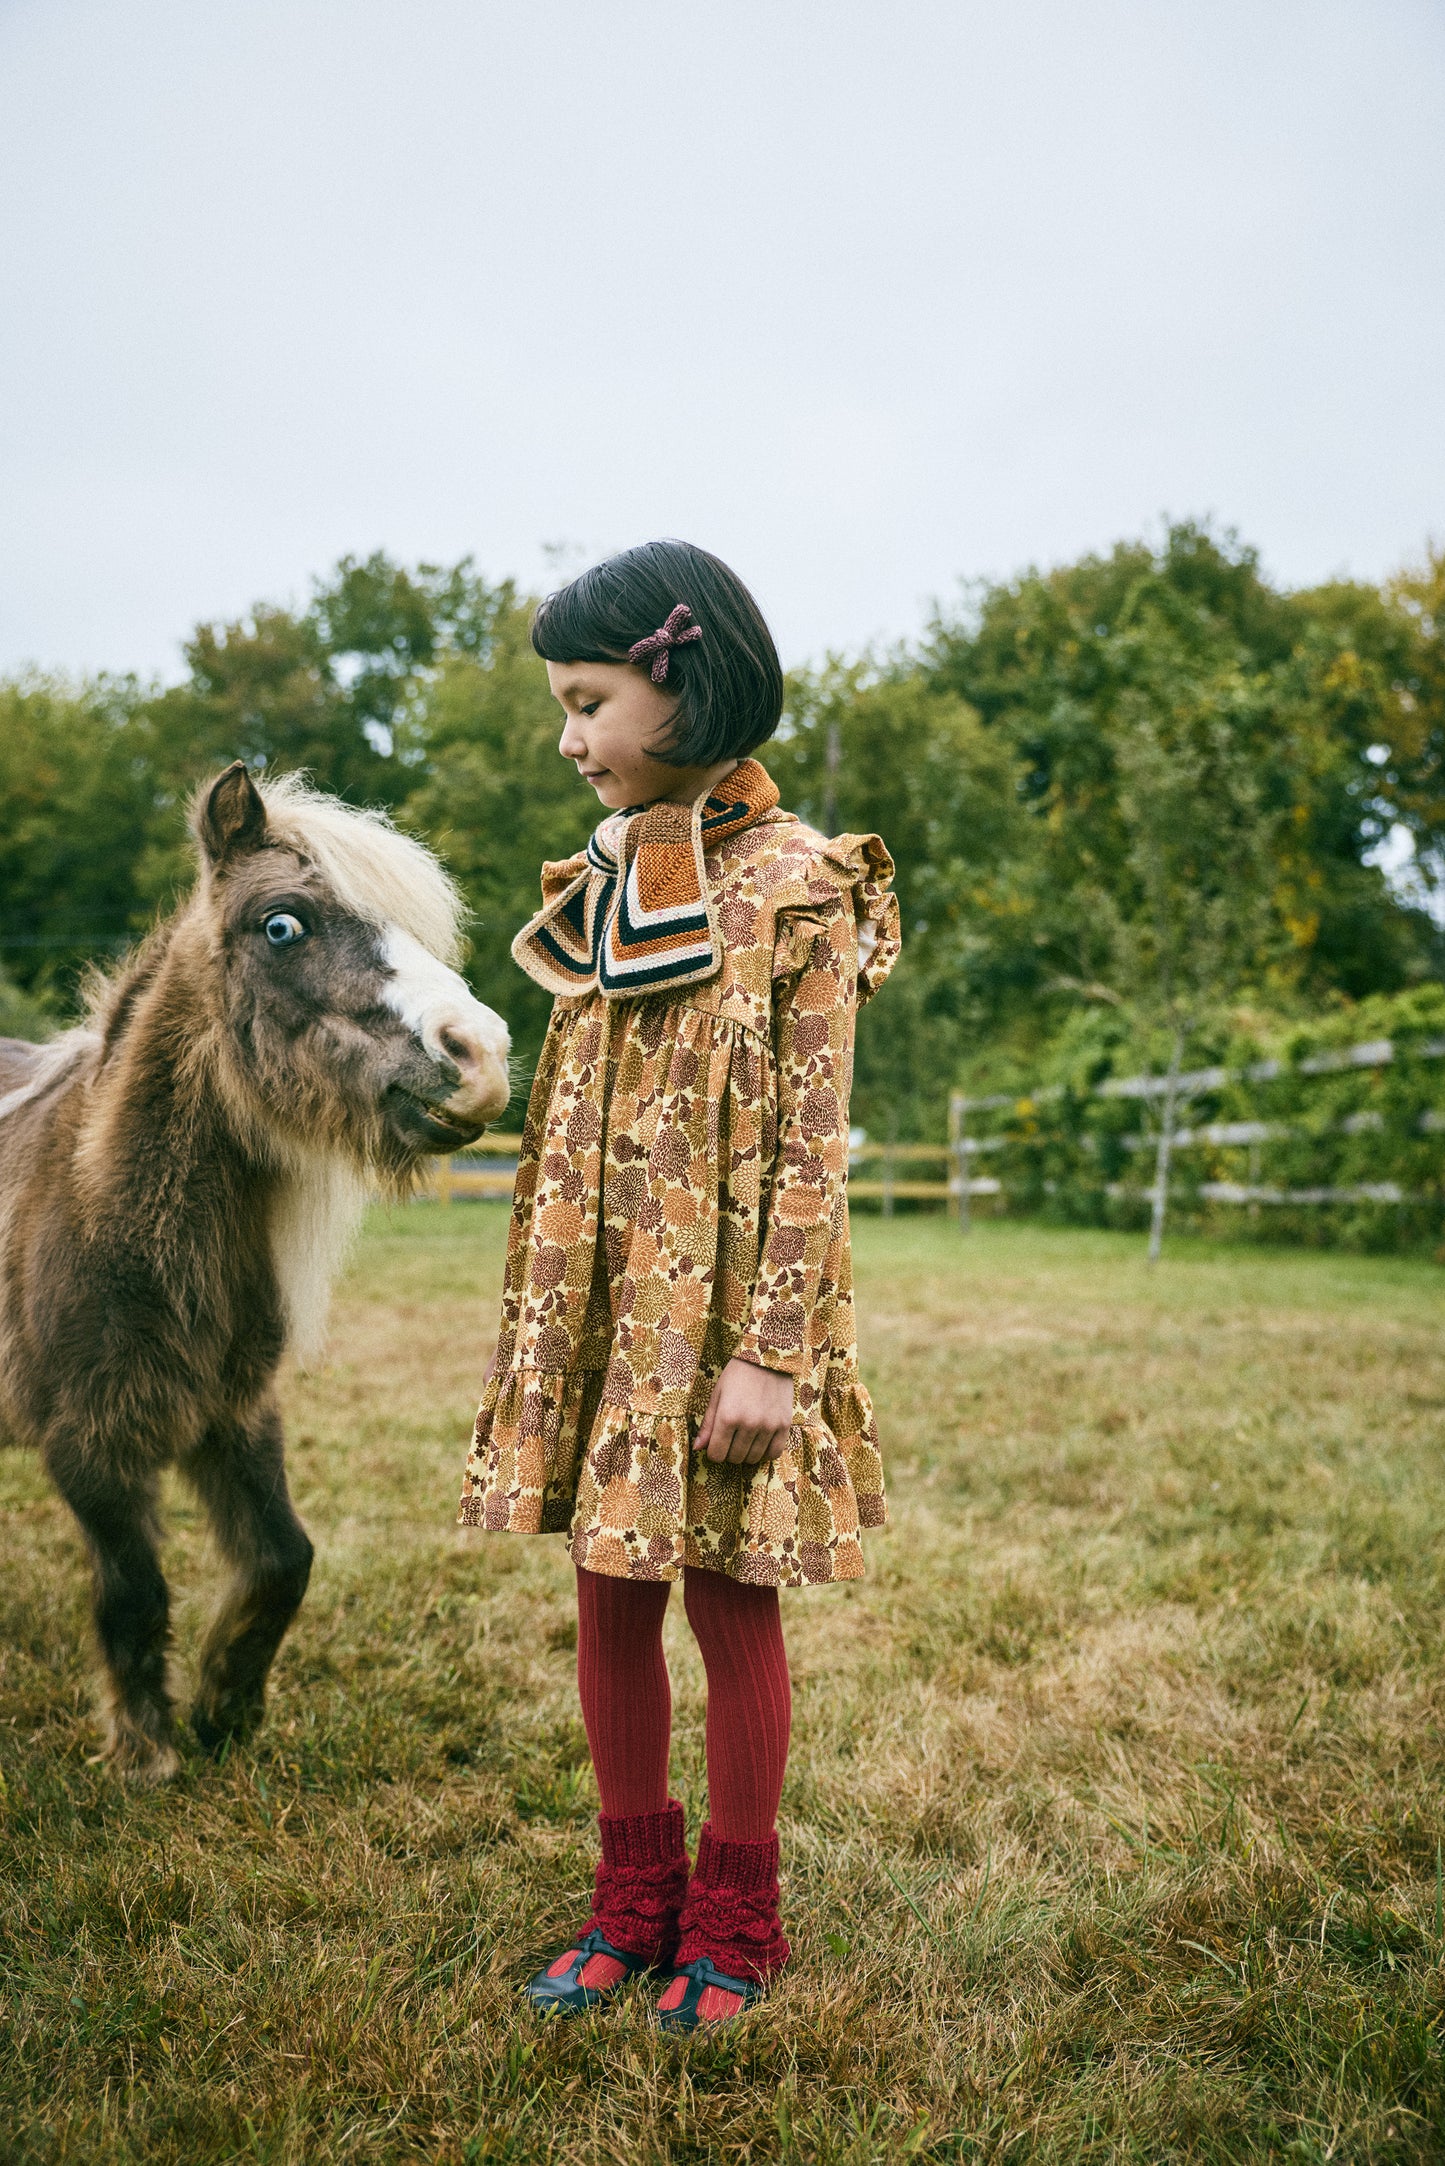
(139, 1762)
(139, 1742)
(216, 1727)
(163, 1766)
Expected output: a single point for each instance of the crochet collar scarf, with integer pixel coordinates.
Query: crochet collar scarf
(640, 918)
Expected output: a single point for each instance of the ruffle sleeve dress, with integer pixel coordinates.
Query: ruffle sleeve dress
(681, 1199)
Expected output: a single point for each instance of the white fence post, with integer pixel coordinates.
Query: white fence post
(958, 1145)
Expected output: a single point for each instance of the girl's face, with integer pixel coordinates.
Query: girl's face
(614, 712)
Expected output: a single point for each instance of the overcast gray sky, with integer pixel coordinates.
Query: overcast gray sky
(866, 297)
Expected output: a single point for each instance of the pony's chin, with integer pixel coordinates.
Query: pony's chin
(423, 1128)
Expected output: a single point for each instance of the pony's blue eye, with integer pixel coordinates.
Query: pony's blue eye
(282, 930)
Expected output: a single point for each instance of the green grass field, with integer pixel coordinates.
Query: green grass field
(1114, 1823)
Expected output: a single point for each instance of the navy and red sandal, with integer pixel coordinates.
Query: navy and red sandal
(698, 1996)
(588, 1975)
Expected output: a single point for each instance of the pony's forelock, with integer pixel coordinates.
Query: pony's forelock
(372, 868)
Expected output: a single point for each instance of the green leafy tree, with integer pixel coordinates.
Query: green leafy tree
(496, 800)
(74, 799)
(1308, 684)
(1007, 767)
(340, 690)
(1195, 922)
(1361, 705)
(22, 1015)
(865, 748)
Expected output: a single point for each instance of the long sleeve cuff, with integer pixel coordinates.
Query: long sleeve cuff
(748, 1348)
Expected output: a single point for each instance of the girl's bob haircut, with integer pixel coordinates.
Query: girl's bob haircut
(729, 683)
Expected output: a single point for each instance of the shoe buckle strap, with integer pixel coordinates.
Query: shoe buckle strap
(706, 1973)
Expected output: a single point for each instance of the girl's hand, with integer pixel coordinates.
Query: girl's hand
(748, 1416)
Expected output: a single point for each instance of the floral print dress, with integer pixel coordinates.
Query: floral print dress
(681, 1199)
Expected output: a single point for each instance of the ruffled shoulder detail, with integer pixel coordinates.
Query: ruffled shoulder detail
(851, 871)
(860, 857)
(869, 868)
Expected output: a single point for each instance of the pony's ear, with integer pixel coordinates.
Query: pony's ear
(230, 817)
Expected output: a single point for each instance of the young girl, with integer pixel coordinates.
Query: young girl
(675, 1386)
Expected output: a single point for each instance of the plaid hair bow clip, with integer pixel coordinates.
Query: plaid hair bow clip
(659, 643)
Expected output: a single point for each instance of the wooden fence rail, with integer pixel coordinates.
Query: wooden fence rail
(450, 1177)
(874, 1168)
(495, 1182)
(886, 1187)
(1376, 1053)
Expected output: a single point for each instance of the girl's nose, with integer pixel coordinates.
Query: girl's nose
(572, 744)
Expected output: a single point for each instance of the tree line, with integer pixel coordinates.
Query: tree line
(1133, 797)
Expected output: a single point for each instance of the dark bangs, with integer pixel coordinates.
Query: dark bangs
(728, 684)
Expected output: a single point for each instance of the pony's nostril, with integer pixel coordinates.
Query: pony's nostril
(456, 1045)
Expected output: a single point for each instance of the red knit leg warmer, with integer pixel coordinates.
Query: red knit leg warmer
(641, 1881)
(731, 1912)
(627, 1709)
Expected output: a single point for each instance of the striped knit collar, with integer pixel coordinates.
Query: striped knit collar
(639, 918)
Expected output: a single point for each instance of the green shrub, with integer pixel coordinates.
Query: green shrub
(1079, 1150)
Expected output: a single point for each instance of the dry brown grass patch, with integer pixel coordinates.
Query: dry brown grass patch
(1114, 1821)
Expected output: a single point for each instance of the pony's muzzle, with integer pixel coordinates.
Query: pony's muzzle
(477, 1045)
(468, 1043)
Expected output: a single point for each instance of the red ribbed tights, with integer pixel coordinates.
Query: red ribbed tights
(627, 1702)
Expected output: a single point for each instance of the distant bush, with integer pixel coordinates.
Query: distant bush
(21, 1015)
(1295, 1109)
(1034, 765)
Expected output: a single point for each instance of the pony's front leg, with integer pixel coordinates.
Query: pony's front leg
(239, 1473)
(132, 1610)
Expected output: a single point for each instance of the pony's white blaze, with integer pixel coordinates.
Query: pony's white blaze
(439, 1009)
(394, 882)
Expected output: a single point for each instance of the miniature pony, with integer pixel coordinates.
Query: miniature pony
(179, 1178)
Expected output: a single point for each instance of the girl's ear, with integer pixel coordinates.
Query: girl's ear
(231, 819)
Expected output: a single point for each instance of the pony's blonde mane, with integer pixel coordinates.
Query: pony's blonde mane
(372, 868)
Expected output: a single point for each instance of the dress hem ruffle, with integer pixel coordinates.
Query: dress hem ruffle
(637, 1501)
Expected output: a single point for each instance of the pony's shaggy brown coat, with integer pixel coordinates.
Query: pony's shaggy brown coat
(177, 1181)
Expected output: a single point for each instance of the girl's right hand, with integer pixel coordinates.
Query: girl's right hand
(749, 1416)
